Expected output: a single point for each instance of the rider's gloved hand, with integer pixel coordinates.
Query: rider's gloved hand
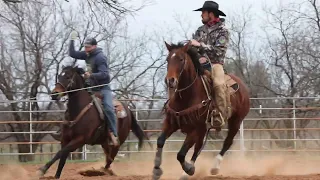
(73, 35)
(195, 43)
(87, 83)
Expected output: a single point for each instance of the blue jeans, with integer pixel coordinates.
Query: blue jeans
(109, 109)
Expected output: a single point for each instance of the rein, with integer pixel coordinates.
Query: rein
(182, 69)
(82, 112)
(195, 107)
(189, 110)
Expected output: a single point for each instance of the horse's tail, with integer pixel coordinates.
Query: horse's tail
(137, 131)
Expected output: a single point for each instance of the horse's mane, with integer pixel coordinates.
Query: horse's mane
(76, 69)
(194, 55)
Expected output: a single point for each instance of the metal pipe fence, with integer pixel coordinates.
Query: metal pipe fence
(242, 139)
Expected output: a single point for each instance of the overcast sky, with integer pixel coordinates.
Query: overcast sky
(163, 11)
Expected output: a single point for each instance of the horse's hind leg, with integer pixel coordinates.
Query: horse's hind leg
(234, 125)
(187, 144)
(71, 146)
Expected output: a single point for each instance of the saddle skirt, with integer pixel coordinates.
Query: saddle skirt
(118, 106)
(232, 85)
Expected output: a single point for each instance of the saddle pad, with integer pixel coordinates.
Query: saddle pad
(232, 85)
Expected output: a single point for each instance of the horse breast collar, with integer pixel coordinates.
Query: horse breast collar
(188, 110)
(83, 111)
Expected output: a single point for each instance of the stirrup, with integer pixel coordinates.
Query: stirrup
(114, 140)
(217, 123)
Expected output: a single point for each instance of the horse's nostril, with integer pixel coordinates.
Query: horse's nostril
(171, 82)
(54, 97)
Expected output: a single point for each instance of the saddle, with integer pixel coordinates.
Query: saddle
(120, 113)
(232, 85)
(118, 106)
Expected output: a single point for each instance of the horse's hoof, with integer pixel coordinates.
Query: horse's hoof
(189, 168)
(108, 171)
(184, 176)
(40, 172)
(214, 171)
(157, 172)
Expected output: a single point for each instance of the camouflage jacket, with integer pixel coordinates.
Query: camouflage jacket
(213, 40)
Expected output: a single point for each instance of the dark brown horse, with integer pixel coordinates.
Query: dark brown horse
(85, 125)
(189, 105)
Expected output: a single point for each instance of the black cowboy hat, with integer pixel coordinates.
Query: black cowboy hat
(211, 6)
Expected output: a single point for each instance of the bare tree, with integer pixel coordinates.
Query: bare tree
(33, 45)
(117, 8)
(11, 1)
(291, 51)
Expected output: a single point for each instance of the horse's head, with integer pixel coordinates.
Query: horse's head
(69, 79)
(181, 58)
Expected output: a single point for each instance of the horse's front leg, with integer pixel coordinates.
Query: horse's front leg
(197, 151)
(187, 144)
(165, 134)
(63, 154)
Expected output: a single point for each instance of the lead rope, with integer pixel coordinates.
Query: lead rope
(209, 98)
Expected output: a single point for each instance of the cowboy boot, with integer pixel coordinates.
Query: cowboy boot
(220, 100)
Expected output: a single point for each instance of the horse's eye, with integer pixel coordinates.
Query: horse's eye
(181, 59)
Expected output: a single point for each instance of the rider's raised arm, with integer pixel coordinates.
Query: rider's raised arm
(76, 54)
(217, 47)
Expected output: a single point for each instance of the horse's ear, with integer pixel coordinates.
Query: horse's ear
(168, 46)
(79, 70)
(186, 46)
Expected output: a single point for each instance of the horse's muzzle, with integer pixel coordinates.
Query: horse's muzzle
(172, 82)
(55, 96)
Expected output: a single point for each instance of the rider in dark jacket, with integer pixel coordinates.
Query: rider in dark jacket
(97, 74)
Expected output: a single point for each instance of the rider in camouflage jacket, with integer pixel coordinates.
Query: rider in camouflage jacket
(212, 39)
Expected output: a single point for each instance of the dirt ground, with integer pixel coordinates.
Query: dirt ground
(233, 167)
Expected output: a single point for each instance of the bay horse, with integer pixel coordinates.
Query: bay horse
(189, 105)
(87, 126)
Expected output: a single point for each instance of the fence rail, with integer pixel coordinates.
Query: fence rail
(242, 139)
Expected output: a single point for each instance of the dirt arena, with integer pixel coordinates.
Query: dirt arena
(234, 167)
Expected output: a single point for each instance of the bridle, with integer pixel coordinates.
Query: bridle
(203, 103)
(71, 82)
(181, 71)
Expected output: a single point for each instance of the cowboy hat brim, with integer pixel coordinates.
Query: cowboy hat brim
(220, 13)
